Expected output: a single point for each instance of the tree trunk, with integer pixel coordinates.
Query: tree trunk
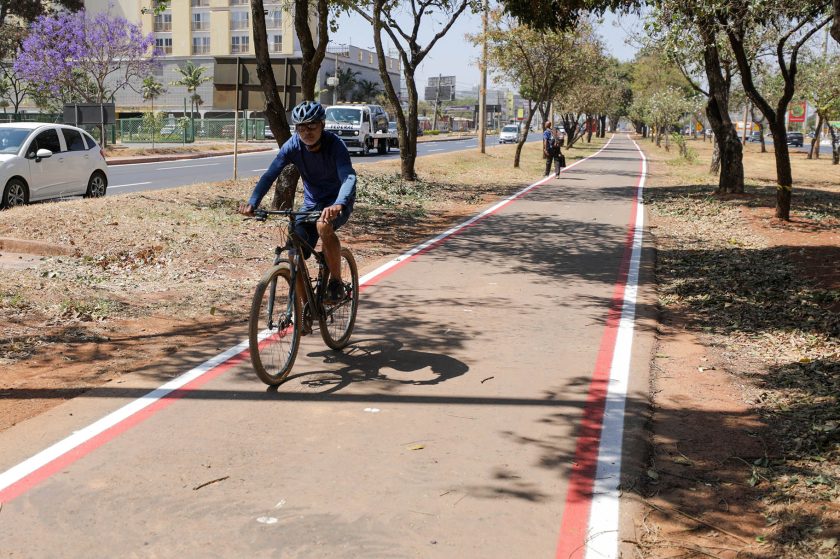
(714, 166)
(835, 144)
(784, 177)
(524, 137)
(731, 178)
(275, 112)
(814, 152)
(313, 55)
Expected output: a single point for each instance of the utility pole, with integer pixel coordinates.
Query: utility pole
(236, 123)
(482, 98)
(437, 101)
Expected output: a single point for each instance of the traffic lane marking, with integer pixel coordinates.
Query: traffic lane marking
(188, 166)
(130, 184)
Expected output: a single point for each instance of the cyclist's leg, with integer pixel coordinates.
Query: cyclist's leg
(330, 243)
(309, 234)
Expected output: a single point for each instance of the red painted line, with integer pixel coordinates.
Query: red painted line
(575, 520)
(26, 483)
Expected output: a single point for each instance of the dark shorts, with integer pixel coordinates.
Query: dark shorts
(309, 231)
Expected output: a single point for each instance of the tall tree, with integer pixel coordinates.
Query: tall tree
(192, 77)
(820, 85)
(694, 42)
(789, 26)
(835, 26)
(383, 15)
(151, 90)
(107, 51)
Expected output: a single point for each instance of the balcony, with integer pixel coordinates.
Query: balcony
(202, 25)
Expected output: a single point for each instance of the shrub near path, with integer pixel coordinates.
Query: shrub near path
(745, 445)
(148, 275)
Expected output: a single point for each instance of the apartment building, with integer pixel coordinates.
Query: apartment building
(212, 32)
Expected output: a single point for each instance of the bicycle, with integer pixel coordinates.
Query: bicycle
(278, 320)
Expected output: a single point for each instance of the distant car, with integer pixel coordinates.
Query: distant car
(795, 139)
(509, 134)
(269, 135)
(41, 161)
(754, 137)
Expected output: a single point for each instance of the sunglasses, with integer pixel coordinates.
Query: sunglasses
(308, 126)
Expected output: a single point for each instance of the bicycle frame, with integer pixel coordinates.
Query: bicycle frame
(297, 263)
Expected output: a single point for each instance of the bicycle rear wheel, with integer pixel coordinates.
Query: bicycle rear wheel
(338, 319)
(274, 326)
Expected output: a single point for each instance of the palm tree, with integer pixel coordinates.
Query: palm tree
(346, 82)
(192, 76)
(152, 89)
(366, 91)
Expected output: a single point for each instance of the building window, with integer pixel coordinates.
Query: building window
(239, 44)
(274, 19)
(361, 54)
(370, 58)
(199, 3)
(163, 45)
(200, 21)
(201, 45)
(239, 20)
(163, 23)
(275, 43)
(239, 2)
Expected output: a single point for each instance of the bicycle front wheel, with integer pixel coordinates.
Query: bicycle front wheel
(274, 327)
(338, 319)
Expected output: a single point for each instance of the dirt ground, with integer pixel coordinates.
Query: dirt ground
(744, 422)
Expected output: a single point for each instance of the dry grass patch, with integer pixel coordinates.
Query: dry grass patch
(763, 296)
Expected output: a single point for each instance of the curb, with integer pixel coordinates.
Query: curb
(178, 157)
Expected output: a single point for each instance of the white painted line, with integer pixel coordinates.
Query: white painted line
(188, 166)
(439, 149)
(602, 540)
(259, 170)
(129, 184)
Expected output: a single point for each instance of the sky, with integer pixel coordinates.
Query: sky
(455, 56)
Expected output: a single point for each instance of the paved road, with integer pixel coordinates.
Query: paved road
(153, 176)
(448, 428)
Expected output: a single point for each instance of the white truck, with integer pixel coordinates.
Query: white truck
(361, 127)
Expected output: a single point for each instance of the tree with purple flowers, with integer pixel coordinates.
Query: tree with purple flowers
(86, 57)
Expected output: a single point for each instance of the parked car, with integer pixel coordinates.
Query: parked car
(269, 135)
(509, 134)
(795, 139)
(754, 137)
(39, 161)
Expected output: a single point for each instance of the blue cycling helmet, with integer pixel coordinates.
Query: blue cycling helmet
(308, 111)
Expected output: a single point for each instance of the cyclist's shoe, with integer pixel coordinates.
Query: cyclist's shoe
(335, 292)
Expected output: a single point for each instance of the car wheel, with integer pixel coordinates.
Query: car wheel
(97, 185)
(15, 194)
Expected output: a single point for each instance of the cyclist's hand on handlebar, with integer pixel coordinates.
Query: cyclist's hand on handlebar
(330, 213)
(245, 209)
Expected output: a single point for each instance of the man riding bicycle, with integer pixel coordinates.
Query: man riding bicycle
(329, 186)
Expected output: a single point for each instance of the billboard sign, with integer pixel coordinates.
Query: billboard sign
(89, 113)
(797, 111)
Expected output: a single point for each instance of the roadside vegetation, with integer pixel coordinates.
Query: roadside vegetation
(763, 297)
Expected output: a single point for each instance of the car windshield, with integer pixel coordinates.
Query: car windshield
(344, 115)
(12, 138)
(509, 129)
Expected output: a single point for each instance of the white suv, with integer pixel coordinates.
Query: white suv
(509, 133)
(40, 161)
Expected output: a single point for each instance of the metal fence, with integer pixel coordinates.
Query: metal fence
(55, 118)
(138, 130)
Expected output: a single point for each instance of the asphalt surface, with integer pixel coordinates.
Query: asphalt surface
(139, 177)
(448, 427)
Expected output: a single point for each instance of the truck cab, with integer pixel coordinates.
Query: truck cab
(361, 127)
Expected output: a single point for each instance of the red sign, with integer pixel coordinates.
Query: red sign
(797, 111)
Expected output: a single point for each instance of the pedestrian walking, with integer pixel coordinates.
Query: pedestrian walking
(548, 146)
(557, 153)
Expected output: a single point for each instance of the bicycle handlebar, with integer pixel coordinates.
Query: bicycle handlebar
(310, 216)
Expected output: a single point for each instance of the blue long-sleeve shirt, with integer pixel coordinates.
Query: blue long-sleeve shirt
(328, 176)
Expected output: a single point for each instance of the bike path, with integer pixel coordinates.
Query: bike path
(447, 428)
